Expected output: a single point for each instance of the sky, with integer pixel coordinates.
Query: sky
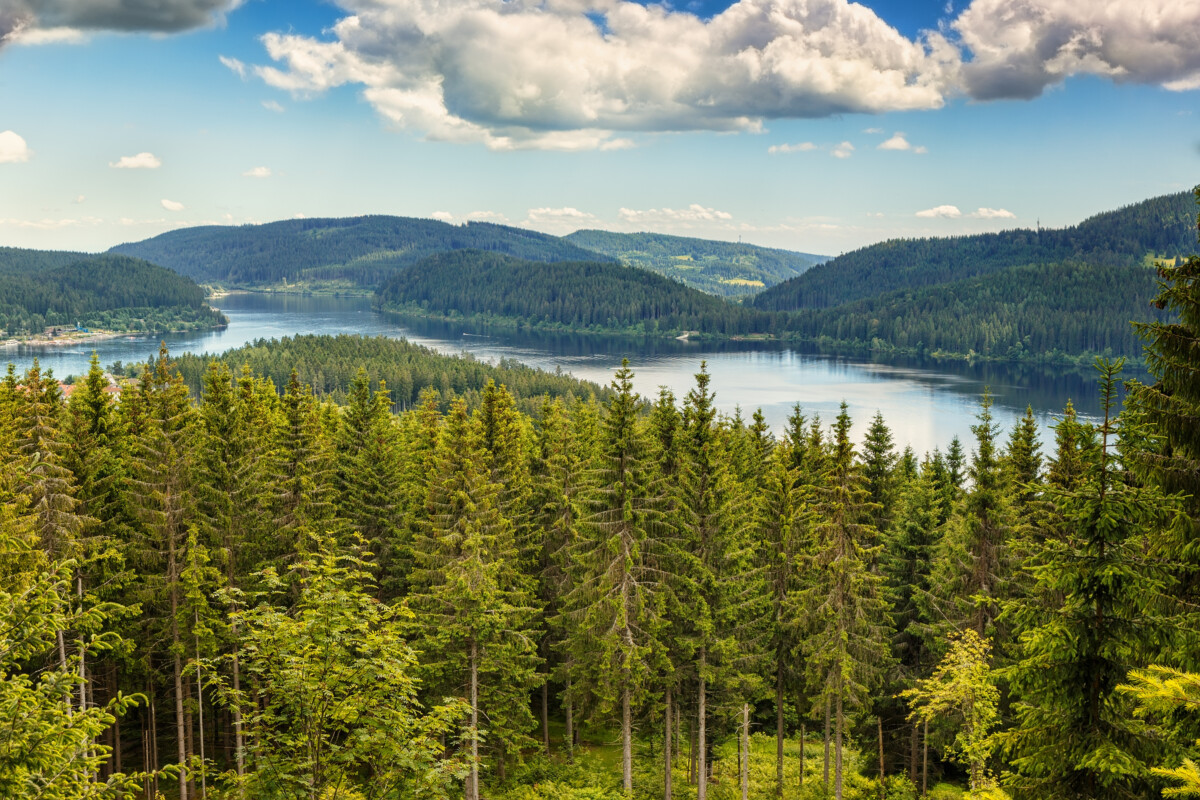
(813, 125)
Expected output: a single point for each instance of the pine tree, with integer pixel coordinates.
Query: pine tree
(879, 465)
(616, 607)
(1073, 738)
(303, 482)
(847, 645)
(1172, 403)
(368, 466)
(729, 593)
(163, 480)
(781, 529)
(475, 610)
(975, 561)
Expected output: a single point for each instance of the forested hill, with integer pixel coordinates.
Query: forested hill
(355, 252)
(40, 288)
(1162, 226)
(330, 364)
(723, 268)
(580, 295)
(1040, 311)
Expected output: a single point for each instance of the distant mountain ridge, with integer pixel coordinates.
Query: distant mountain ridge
(1164, 226)
(355, 252)
(727, 269)
(362, 253)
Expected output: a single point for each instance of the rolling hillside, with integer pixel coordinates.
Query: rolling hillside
(1163, 226)
(352, 253)
(589, 295)
(40, 288)
(728, 269)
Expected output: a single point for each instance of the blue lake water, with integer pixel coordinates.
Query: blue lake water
(925, 404)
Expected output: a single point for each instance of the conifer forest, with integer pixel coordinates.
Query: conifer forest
(256, 590)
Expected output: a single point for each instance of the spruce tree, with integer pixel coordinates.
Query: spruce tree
(847, 645)
(475, 612)
(1092, 615)
(616, 607)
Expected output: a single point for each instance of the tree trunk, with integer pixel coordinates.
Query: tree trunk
(802, 758)
(546, 717)
(626, 741)
(745, 751)
(882, 786)
(912, 754)
(473, 778)
(181, 733)
(200, 711)
(691, 752)
(701, 755)
(837, 751)
(779, 730)
(189, 726)
(667, 748)
(153, 739)
(239, 748)
(826, 743)
(570, 722)
(925, 761)
(62, 663)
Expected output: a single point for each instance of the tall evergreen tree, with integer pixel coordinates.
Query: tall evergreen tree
(616, 608)
(847, 645)
(1073, 738)
(475, 609)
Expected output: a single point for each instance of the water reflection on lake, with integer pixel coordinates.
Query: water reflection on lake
(926, 404)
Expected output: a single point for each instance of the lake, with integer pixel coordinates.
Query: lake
(925, 404)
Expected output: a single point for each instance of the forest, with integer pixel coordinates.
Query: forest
(726, 269)
(573, 295)
(251, 591)
(354, 253)
(43, 288)
(1035, 312)
(1161, 226)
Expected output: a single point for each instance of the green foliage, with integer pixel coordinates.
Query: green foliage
(1094, 610)
(1044, 311)
(1161, 225)
(329, 365)
(722, 268)
(1162, 692)
(962, 688)
(579, 295)
(358, 251)
(48, 748)
(40, 289)
(332, 711)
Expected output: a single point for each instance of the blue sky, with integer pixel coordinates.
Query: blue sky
(816, 125)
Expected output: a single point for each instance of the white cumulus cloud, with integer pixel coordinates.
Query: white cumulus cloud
(843, 150)
(257, 172)
(272, 105)
(947, 212)
(546, 75)
(993, 213)
(1020, 47)
(798, 147)
(13, 148)
(442, 216)
(140, 161)
(558, 220)
(693, 213)
(899, 142)
(172, 205)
